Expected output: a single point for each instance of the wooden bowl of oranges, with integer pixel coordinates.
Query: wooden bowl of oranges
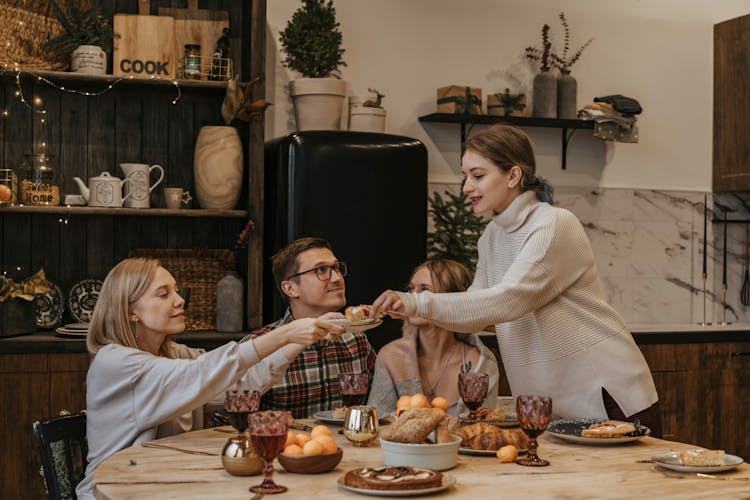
(312, 453)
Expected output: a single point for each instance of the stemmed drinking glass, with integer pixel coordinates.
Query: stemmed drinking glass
(353, 388)
(534, 414)
(238, 405)
(473, 390)
(268, 431)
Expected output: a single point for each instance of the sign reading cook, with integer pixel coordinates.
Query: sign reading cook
(144, 46)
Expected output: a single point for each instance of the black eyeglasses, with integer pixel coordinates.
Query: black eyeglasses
(324, 272)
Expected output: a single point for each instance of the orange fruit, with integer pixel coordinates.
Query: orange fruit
(328, 443)
(419, 401)
(291, 438)
(292, 449)
(507, 454)
(440, 402)
(320, 430)
(313, 447)
(403, 401)
(5, 192)
(302, 439)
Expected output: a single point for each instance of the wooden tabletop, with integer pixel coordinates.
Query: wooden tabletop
(576, 471)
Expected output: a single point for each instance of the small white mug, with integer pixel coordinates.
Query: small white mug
(176, 197)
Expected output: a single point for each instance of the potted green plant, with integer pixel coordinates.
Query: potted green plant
(87, 37)
(312, 44)
(457, 229)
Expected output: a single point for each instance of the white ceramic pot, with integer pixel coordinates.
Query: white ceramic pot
(442, 456)
(89, 59)
(217, 167)
(318, 102)
(365, 119)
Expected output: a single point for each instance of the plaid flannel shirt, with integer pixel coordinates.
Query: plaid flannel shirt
(311, 382)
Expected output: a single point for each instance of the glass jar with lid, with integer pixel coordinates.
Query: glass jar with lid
(192, 67)
(40, 184)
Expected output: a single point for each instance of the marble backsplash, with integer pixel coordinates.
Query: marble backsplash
(649, 250)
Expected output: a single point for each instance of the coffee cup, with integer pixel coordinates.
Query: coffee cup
(141, 187)
(176, 197)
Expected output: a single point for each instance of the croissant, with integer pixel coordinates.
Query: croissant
(483, 436)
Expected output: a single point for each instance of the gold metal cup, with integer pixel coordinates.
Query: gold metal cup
(361, 425)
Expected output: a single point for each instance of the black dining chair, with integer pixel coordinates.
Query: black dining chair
(63, 448)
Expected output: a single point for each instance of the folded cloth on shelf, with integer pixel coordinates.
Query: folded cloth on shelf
(610, 125)
(621, 103)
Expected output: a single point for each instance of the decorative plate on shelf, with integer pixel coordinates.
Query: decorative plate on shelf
(82, 299)
(49, 307)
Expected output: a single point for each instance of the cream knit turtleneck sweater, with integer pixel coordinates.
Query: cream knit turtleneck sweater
(537, 282)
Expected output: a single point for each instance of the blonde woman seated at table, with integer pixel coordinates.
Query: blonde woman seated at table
(538, 283)
(426, 359)
(142, 386)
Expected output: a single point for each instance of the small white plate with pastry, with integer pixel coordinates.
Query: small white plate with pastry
(698, 460)
(357, 326)
(597, 432)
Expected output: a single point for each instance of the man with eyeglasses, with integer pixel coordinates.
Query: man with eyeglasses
(311, 280)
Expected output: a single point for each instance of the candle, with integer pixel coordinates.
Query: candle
(705, 218)
(724, 265)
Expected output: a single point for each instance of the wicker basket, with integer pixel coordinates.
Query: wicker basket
(196, 269)
(25, 25)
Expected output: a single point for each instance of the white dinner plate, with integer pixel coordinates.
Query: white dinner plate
(327, 417)
(64, 332)
(448, 481)
(569, 429)
(671, 460)
(510, 420)
(357, 326)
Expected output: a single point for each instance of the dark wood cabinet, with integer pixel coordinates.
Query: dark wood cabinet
(731, 149)
(32, 387)
(703, 393)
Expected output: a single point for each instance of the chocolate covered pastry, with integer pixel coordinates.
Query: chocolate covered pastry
(393, 478)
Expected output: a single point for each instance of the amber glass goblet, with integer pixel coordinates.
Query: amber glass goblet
(268, 431)
(472, 387)
(534, 414)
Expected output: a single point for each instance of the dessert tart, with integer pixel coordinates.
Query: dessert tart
(701, 457)
(609, 429)
(393, 478)
(362, 312)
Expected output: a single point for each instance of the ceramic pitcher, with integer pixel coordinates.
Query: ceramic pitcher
(141, 187)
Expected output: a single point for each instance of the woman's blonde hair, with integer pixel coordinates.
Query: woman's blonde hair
(110, 323)
(506, 146)
(447, 276)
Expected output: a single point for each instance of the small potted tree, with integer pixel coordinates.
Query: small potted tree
(312, 44)
(87, 37)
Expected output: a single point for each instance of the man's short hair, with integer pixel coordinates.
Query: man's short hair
(284, 262)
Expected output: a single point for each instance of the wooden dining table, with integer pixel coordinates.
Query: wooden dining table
(575, 471)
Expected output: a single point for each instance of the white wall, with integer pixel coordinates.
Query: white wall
(657, 51)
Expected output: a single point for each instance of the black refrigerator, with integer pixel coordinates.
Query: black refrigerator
(364, 192)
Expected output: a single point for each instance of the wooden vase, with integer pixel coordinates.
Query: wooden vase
(217, 167)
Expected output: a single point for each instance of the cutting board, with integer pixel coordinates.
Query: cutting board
(144, 45)
(197, 26)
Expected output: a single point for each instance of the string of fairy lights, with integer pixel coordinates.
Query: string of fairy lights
(37, 107)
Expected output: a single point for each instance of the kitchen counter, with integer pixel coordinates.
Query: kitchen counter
(49, 342)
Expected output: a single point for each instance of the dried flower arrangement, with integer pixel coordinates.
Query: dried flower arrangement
(542, 55)
(237, 103)
(563, 62)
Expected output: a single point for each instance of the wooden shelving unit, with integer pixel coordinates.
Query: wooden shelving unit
(467, 121)
(141, 212)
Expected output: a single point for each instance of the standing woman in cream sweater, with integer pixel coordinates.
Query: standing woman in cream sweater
(537, 282)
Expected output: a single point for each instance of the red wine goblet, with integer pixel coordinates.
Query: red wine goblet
(472, 387)
(353, 388)
(534, 414)
(268, 431)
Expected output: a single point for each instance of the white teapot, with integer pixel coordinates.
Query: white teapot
(103, 190)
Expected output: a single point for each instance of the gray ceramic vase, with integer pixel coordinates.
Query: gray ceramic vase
(545, 95)
(567, 92)
(229, 303)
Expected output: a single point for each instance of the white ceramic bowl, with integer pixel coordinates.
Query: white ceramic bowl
(442, 456)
